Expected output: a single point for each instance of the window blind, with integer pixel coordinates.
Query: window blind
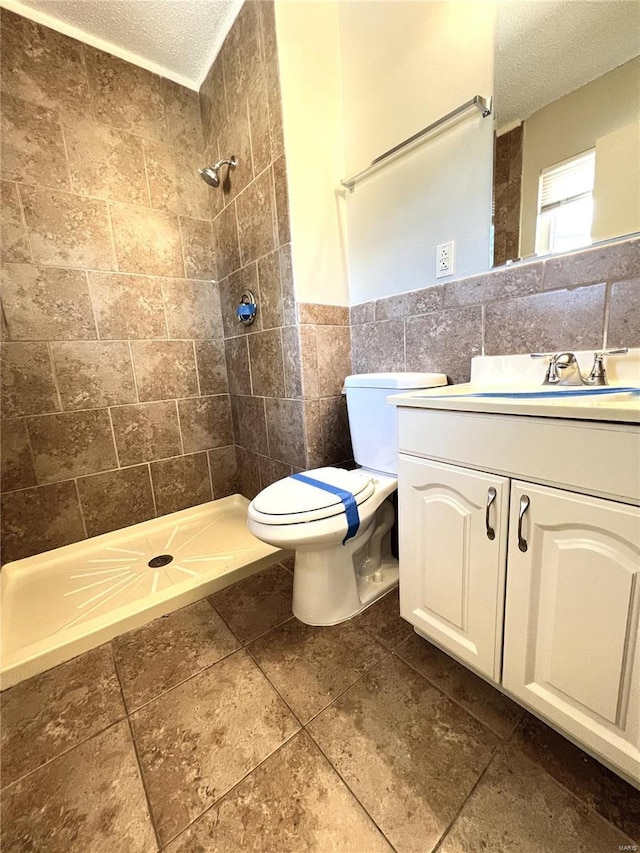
(567, 181)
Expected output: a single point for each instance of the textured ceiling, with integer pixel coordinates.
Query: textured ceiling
(546, 49)
(176, 38)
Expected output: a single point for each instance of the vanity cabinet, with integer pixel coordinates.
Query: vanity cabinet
(454, 528)
(571, 649)
(533, 584)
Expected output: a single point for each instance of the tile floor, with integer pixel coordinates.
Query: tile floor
(230, 726)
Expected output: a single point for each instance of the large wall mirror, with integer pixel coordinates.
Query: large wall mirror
(567, 148)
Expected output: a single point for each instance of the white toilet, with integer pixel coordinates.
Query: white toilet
(339, 523)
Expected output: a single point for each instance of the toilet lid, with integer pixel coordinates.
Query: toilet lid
(291, 501)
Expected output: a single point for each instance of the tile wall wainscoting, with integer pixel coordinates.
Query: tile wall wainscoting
(115, 403)
(286, 370)
(576, 302)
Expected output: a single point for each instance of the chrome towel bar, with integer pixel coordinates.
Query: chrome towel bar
(480, 103)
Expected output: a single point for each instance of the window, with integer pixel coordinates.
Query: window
(565, 204)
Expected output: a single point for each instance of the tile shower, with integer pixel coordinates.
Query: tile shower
(129, 391)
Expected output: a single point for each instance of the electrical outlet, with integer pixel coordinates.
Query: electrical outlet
(445, 259)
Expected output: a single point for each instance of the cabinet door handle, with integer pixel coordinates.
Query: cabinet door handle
(491, 496)
(524, 506)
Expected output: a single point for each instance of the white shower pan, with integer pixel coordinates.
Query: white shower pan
(64, 602)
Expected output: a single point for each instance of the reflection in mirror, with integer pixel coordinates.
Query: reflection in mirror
(567, 105)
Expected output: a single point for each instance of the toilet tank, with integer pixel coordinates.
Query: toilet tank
(372, 421)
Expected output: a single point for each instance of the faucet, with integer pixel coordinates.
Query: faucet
(564, 369)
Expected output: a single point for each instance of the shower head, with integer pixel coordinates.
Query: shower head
(210, 173)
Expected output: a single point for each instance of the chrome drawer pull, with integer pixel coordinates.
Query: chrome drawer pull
(491, 496)
(524, 506)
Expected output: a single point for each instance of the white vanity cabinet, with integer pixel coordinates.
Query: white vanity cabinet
(542, 594)
(571, 649)
(453, 533)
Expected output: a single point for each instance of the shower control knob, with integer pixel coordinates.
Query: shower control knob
(247, 309)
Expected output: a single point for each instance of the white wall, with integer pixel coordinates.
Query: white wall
(309, 59)
(357, 77)
(404, 64)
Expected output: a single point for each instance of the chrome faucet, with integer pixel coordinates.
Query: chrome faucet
(564, 369)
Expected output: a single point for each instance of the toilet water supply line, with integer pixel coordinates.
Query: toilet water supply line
(347, 498)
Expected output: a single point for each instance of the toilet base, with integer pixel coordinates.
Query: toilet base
(331, 585)
(368, 592)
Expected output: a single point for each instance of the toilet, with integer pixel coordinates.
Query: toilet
(337, 521)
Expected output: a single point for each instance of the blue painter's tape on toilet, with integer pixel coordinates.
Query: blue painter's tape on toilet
(347, 498)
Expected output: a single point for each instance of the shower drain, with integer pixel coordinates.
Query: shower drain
(159, 561)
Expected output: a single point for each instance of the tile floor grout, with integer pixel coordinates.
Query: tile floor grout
(351, 791)
(454, 819)
(62, 754)
(502, 738)
(231, 790)
(390, 651)
(135, 750)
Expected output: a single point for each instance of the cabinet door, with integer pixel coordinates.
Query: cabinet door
(452, 558)
(571, 635)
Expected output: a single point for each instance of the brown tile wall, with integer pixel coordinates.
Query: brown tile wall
(286, 370)
(507, 191)
(115, 403)
(576, 302)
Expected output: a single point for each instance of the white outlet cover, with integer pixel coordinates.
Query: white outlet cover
(445, 259)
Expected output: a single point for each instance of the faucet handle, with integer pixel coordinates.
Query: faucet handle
(552, 377)
(614, 351)
(598, 375)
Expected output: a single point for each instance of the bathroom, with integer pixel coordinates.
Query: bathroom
(212, 718)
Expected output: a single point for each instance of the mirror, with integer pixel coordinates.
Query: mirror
(567, 106)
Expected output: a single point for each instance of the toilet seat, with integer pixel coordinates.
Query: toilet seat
(291, 501)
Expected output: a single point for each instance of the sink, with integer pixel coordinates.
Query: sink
(512, 385)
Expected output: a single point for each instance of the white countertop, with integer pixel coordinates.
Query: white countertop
(618, 408)
(521, 375)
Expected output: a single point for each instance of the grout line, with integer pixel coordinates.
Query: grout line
(348, 787)
(56, 385)
(464, 802)
(146, 173)
(112, 238)
(181, 238)
(115, 443)
(213, 497)
(179, 431)
(133, 371)
(81, 508)
(135, 749)
(66, 153)
(195, 363)
(153, 491)
(574, 796)
(135, 709)
(607, 313)
(249, 123)
(91, 304)
(33, 459)
(65, 751)
(115, 470)
(23, 217)
(114, 405)
(270, 683)
(440, 689)
(232, 789)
